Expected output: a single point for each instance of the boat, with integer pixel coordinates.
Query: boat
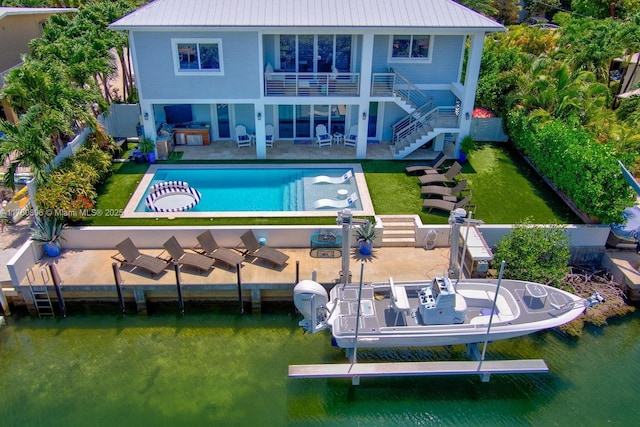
(435, 312)
(17, 208)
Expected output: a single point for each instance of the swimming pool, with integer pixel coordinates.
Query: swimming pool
(263, 190)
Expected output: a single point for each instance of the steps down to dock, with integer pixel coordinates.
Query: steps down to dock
(398, 230)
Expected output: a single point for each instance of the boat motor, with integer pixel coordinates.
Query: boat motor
(311, 298)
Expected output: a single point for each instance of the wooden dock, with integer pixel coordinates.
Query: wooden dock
(357, 370)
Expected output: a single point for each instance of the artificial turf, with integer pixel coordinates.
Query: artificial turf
(505, 190)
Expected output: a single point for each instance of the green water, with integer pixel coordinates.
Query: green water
(224, 369)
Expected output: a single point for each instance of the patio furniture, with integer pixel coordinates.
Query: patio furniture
(208, 246)
(130, 255)
(335, 204)
(428, 167)
(440, 190)
(351, 138)
(266, 253)
(197, 261)
(268, 135)
(445, 205)
(323, 179)
(242, 138)
(448, 176)
(322, 136)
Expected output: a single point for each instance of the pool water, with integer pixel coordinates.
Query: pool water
(267, 189)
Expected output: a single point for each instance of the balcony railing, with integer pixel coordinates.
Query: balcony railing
(311, 84)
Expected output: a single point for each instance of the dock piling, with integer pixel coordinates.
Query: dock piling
(57, 284)
(240, 303)
(176, 267)
(118, 279)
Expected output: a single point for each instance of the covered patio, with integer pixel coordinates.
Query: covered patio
(290, 150)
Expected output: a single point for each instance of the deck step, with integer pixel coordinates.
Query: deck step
(398, 230)
(399, 242)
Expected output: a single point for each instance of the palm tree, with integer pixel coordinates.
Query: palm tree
(26, 144)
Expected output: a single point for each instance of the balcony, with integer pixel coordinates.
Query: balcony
(312, 84)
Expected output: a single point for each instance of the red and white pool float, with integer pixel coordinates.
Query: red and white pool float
(172, 196)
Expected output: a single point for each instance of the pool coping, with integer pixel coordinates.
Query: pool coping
(136, 197)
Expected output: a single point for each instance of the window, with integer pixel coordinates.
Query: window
(307, 53)
(197, 56)
(411, 47)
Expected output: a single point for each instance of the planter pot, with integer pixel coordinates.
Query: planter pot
(366, 247)
(51, 249)
(463, 157)
(151, 157)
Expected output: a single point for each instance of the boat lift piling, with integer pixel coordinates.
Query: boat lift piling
(119, 282)
(176, 268)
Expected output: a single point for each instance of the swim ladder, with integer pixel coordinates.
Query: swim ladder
(172, 196)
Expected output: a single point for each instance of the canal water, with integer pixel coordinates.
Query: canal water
(222, 369)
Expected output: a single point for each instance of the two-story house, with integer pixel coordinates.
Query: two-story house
(18, 26)
(401, 72)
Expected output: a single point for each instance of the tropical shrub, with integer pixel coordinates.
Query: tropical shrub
(536, 253)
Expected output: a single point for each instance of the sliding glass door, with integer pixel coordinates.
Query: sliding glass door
(300, 121)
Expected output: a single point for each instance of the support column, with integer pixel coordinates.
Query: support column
(470, 87)
(260, 140)
(365, 95)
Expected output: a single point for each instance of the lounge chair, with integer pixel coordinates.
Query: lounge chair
(440, 190)
(130, 255)
(336, 204)
(323, 179)
(208, 246)
(426, 168)
(448, 176)
(322, 136)
(266, 253)
(197, 261)
(445, 205)
(351, 138)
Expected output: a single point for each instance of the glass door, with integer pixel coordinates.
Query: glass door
(305, 54)
(285, 121)
(222, 111)
(303, 121)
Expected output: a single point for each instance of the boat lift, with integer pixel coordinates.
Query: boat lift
(355, 370)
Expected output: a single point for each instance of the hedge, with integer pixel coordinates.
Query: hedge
(586, 171)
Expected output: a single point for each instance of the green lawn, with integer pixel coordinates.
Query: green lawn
(505, 191)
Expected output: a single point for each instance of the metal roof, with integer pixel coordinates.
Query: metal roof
(442, 14)
(8, 11)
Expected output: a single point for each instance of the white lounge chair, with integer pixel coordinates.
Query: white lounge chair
(323, 179)
(336, 204)
(322, 136)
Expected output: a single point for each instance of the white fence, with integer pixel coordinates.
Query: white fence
(122, 120)
(489, 129)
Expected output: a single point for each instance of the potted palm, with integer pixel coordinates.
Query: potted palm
(466, 147)
(366, 234)
(48, 231)
(147, 147)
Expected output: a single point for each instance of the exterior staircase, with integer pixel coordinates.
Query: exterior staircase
(398, 230)
(423, 122)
